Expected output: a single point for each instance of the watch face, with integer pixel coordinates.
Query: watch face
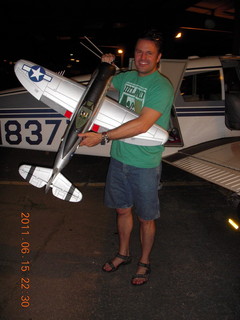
(105, 138)
(103, 141)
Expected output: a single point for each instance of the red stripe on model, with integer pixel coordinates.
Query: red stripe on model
(95, 127)
(68, 114)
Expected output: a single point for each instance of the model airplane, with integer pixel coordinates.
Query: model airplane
(86, 110)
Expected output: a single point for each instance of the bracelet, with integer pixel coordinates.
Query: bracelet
(105, 138)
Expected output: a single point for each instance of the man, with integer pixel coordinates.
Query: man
(134, 171)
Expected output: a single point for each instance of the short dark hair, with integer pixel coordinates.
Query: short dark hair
(155, 36)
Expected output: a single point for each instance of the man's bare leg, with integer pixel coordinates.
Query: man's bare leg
(125, 225)
(147, 236)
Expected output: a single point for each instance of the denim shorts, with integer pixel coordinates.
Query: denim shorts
(128, 186)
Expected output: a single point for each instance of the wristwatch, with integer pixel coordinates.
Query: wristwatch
(105, 138)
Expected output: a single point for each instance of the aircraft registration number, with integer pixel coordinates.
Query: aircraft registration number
(40, 134)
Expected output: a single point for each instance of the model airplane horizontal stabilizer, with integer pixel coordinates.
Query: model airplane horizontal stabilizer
(61, 187)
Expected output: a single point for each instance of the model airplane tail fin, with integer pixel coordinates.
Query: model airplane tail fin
(61, 187)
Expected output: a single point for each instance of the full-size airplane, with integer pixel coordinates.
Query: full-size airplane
(204, 136)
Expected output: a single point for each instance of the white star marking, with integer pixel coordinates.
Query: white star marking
(36, 73)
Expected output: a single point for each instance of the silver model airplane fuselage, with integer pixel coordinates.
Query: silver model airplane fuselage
(81, 119)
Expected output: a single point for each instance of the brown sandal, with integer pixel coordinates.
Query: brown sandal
(142, 275)
(126, 260)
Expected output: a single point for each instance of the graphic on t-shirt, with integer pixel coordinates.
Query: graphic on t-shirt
(133, 97)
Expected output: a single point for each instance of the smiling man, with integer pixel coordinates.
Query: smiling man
(134, 171)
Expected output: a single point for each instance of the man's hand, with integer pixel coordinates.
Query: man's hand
(90, 139)
(108, 57)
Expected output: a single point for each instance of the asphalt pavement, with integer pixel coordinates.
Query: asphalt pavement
(52, 251)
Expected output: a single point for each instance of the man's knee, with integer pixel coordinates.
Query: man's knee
(146, 222)
(125, 211)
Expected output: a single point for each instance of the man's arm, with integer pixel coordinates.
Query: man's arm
(142, 124)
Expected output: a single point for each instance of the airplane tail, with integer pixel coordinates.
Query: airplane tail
(61, 187)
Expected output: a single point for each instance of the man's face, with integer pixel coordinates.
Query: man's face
(146, 57)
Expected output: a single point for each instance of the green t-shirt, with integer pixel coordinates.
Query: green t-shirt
(153, 91)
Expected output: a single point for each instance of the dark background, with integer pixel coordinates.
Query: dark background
(49, 33)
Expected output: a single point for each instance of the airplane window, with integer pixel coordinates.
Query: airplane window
(232, 96)
(202, 86)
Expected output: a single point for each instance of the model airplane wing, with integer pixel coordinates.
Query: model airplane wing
(112, 115)
(63, 95)
(56, 91)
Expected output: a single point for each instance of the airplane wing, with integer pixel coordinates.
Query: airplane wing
(63, 95)
(217, 161)
(54, 90)
(112, 115)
